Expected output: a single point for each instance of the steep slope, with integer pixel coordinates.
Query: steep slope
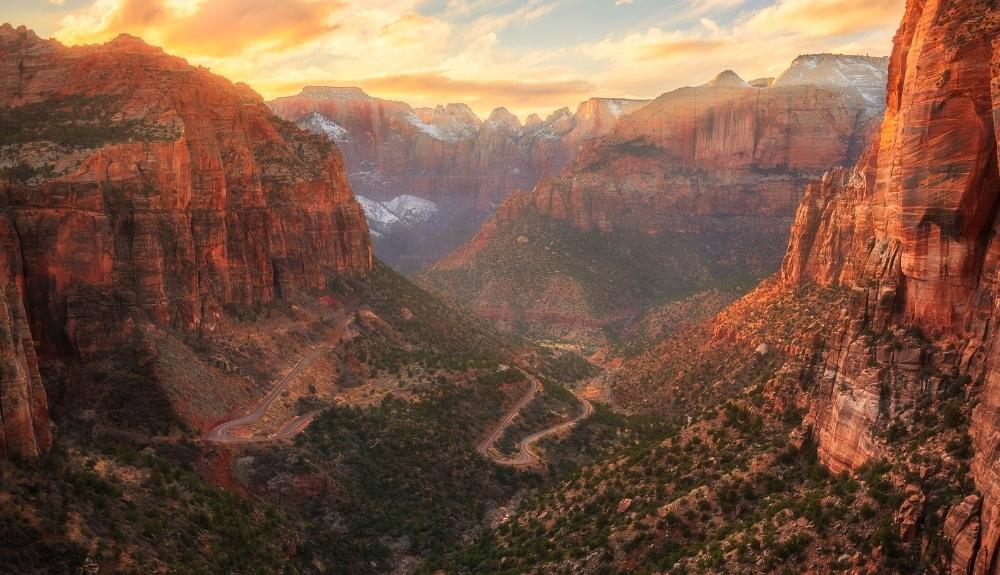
(714, 170)
(180, 258)
(445, 155)
(912, 231)
(139, 191)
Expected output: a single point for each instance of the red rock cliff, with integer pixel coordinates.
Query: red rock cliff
(141, 188)
(24, 422)
(722, 150)
(445, 154)
(912, 231)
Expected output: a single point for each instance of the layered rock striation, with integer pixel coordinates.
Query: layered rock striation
(722, 150)
(24, 422)
(137, 188)
(911, 230)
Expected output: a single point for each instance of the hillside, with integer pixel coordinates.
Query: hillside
(197, 334)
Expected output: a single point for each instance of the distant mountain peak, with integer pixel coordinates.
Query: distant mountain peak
(727, 78)
(334, 93)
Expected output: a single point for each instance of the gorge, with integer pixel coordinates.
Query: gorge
(742, 327)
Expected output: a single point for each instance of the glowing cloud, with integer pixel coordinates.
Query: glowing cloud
(533, 55)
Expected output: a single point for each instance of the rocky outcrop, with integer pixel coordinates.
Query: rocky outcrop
(445, 155)
(911, 231)
(961, 527)
(140, 188)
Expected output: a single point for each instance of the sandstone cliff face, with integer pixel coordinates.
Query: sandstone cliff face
(140, 188)
(445, 155)
(24, 422)
(911, 230)
(722, 150)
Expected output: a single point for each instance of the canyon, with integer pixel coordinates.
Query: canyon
(871, 352)
(714, 172)
(745, 327)
(447, 156)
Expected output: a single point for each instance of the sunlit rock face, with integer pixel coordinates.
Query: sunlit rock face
(136, 187)
(912, 231)
(724, 149)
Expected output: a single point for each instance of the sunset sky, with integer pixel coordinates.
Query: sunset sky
(530, 56)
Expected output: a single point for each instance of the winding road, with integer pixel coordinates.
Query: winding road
(226, 432)
(525, 456)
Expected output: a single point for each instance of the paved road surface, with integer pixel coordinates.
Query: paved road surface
(525, 456)
(225, 432)
(487, 444)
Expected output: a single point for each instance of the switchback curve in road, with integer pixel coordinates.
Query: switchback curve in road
(225, 432)
(525, 456)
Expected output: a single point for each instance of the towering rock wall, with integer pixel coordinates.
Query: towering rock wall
(138, 188)
(696, 156)
(24, 422)
(912, 231)
(445, 154)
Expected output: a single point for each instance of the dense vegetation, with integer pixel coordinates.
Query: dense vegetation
(411, 466)
(76, 121)
(730, 494)
(135, 511)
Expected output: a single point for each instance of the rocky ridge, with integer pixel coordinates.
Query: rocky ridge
(446, 155)
(720, 166)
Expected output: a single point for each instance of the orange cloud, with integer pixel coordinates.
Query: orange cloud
(210, 28)
(824, 18)
(677, 49)
(398, 49)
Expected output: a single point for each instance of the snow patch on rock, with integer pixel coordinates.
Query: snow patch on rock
(861, 75)
(454, 133)
(319, 124)
(404, 211)
(412, 209)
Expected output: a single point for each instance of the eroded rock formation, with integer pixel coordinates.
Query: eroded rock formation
(722, 150)
(445, 155)
(141, 189)
(24, 422)
(911, 230)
